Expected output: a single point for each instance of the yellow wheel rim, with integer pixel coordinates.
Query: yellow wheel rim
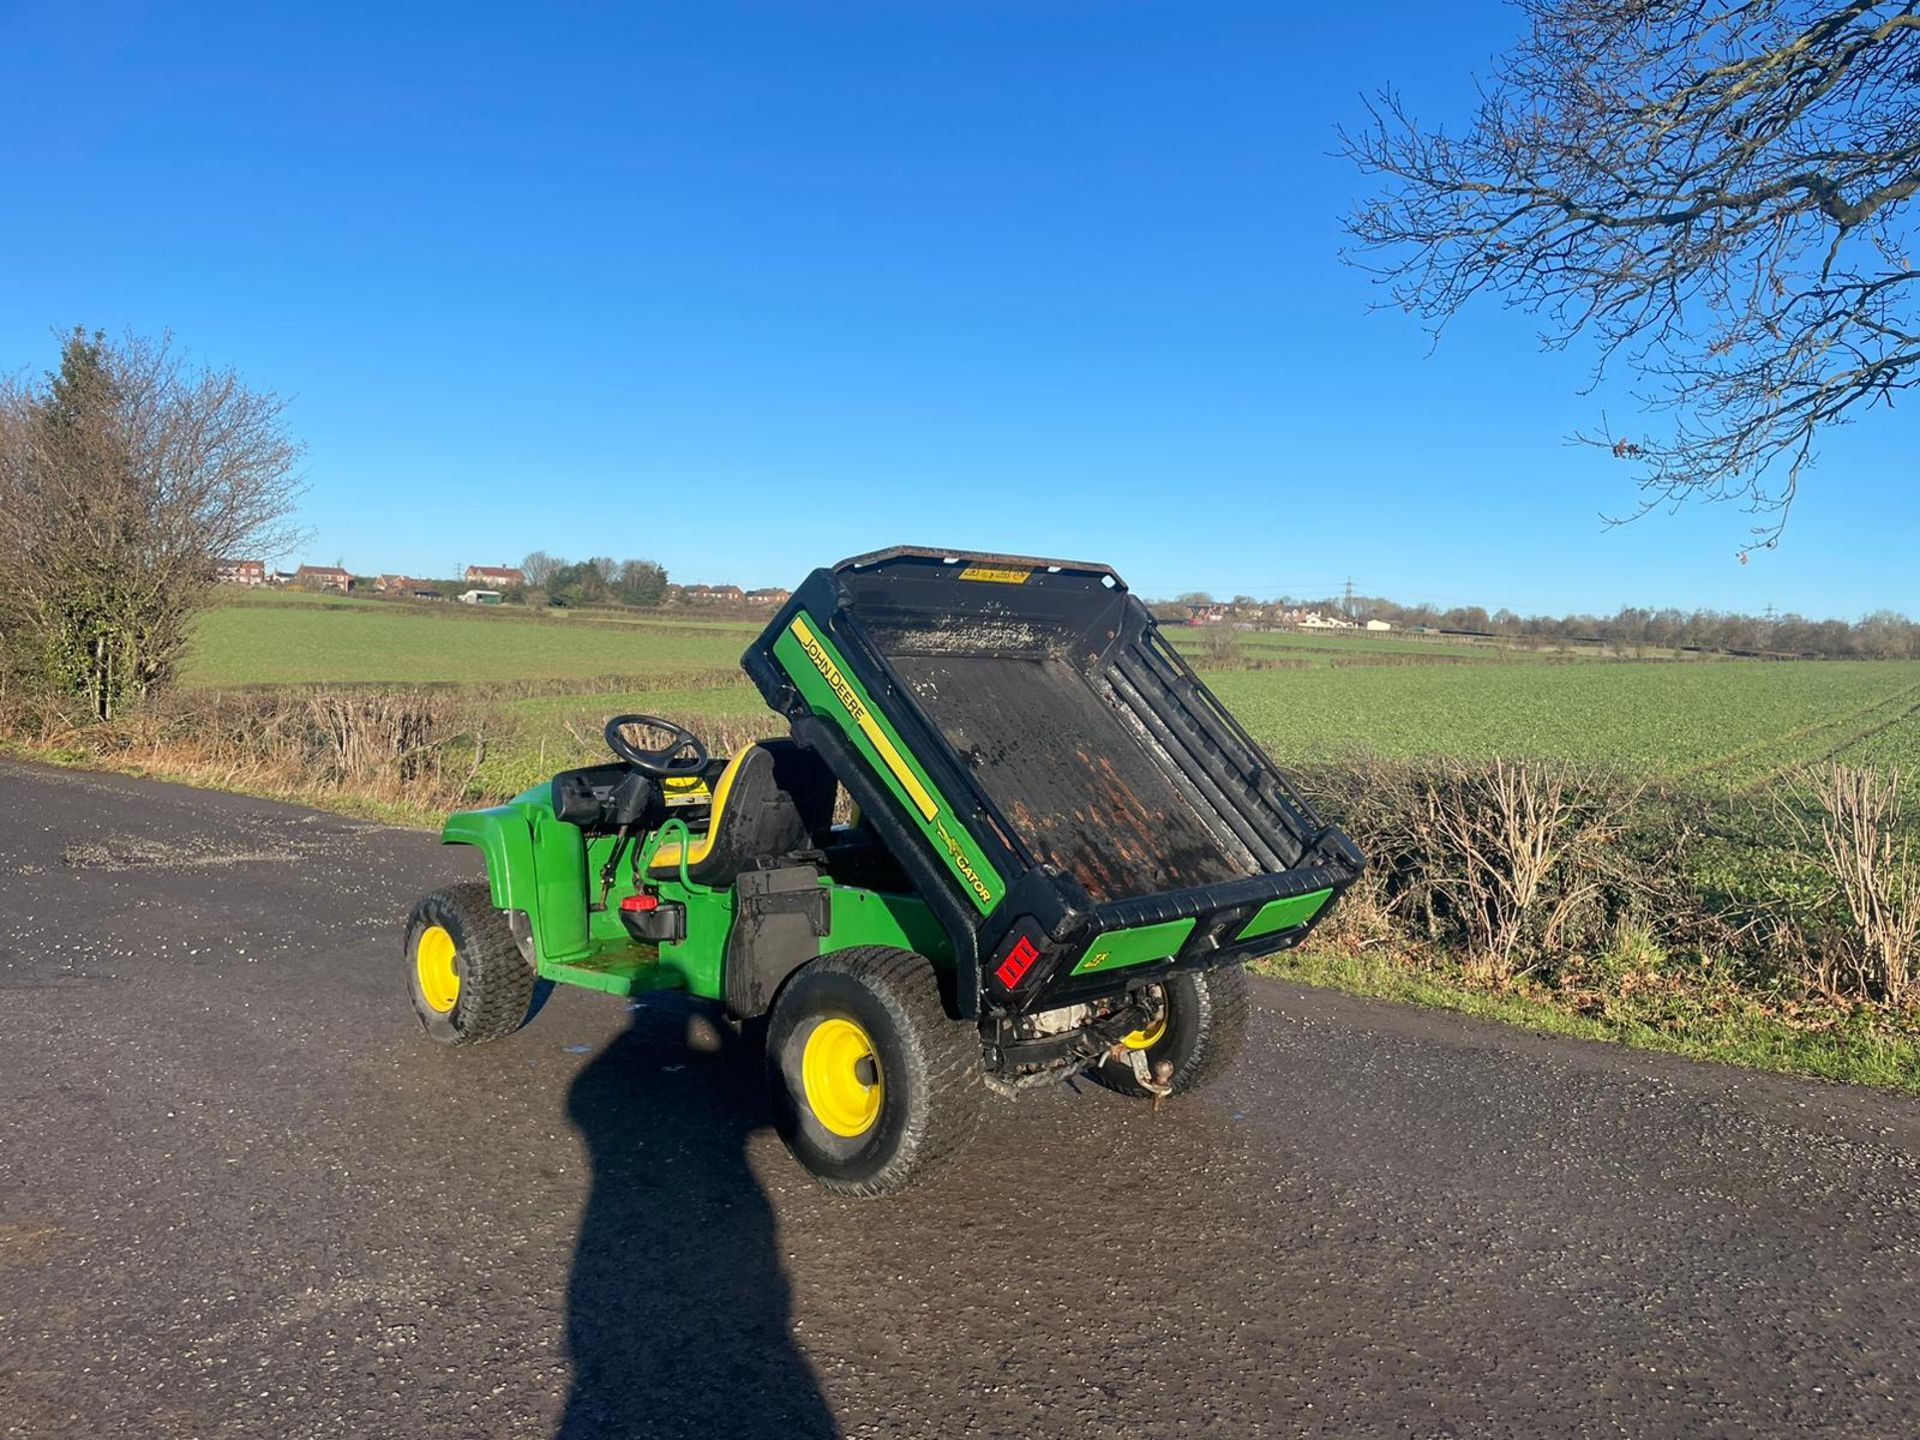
(433, 964)
(1146, 1039)
(835, 1070)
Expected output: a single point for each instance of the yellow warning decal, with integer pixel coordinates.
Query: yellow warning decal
(998, 577)
(685, 790)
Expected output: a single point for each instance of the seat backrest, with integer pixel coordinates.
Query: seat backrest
(773, 798)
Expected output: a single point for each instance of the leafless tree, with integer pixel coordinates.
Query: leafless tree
(124, 477)
(539, 568)
(1716, 191)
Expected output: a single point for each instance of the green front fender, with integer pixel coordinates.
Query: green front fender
(504, 836)
(535, 864)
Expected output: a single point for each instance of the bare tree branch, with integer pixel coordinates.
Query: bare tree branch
(1716, 192)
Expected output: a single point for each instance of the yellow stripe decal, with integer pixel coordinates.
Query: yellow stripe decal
(998, 577)
(863, 717)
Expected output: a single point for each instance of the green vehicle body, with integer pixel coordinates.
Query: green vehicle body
(541, 868)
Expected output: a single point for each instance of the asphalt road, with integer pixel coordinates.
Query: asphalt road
(241, 1195)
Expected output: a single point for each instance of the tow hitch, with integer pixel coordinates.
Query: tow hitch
(1156, 1079)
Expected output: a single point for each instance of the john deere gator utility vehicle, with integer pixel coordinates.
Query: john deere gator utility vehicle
(1055, 850)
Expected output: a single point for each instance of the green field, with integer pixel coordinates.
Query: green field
(295, 640)
(1328, 647)
(1350, 647)
(1724, 723)
(1738, 721)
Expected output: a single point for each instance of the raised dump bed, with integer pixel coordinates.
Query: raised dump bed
(1066, 794)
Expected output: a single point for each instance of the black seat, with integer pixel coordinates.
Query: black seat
(772, 799)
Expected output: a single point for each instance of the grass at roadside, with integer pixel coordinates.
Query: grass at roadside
(315, 796)
(1832, 1046)
(1710, 1024)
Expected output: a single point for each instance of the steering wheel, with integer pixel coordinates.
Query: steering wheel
(683, 754)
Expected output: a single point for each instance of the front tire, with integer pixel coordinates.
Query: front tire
(874, 1087)
(465, 974)
(1201, 1033)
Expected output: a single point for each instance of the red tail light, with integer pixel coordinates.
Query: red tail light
(1018, 961)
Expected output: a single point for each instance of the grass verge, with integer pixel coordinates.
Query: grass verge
(408, 758)
(405, 814)
(1826, 1045)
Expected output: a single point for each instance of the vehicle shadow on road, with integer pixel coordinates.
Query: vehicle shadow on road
(678, 1310)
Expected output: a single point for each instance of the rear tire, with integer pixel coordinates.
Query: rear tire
(465, 974)
(874, 1087)
(1206, 1024)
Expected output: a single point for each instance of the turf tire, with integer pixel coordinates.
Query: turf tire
(929, 1066)
(496, 982)
(1206, 1025)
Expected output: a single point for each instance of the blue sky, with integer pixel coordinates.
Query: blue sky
(746, 288)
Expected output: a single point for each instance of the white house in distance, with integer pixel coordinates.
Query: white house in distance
(481, 597)
(493, 577)
(1379, 625)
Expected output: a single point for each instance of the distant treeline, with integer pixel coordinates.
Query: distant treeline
(599, 581)
(1883, 635)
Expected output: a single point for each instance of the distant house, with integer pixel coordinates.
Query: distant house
(240, 572)
(324, 577)
(1206, 613)
(481, 597)
(769, 595)
(494, 577)
(713, 594)
(1378, 625)
(406, 585)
